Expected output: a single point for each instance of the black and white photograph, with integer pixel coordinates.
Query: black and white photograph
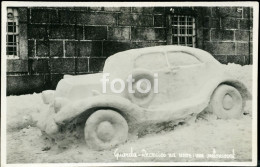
(129, 83)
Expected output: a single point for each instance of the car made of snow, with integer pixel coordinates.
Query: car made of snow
(140, 87)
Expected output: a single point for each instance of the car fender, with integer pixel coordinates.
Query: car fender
(211, 86)
(131, 112)
(183, 109)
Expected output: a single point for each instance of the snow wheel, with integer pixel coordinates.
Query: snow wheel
(226, 102)
(105, 129)
(143, 80)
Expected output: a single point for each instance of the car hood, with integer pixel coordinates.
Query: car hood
(78, 87)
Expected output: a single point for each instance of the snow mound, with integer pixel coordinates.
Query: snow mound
(25, 143)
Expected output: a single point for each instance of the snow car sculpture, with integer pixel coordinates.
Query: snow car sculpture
(188, 80)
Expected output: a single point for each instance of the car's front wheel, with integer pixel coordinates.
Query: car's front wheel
(226, 102)
(105, 129)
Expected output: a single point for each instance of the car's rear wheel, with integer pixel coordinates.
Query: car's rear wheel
(105, 129)
(226, 102)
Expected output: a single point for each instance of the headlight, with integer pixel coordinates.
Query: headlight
(48, 96)
(59, 103)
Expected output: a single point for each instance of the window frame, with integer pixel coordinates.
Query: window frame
(164, 58)
(171, 34)
(188, 65)
(15, 54)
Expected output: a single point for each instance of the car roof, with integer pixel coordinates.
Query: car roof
(202, 55)
(123, 62)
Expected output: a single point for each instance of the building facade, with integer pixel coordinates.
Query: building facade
(43, 44)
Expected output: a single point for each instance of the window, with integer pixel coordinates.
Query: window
(182, 30)
(153, 61)
(12, 37)
(181, 59)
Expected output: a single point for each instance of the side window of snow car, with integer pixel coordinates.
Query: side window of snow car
(182, 59)
(153, 61)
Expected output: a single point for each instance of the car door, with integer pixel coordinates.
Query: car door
(156, 64)
(187, 74)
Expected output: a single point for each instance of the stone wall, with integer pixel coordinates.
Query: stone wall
(226, 32)
(58, 41)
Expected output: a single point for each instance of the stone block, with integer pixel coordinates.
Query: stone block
(229, 23)
(149, 10)
(56, 48)
(118, 9)
(31, 48)
(237, 59)
(139, 33)
(220, 48)
(39, 66)
(204, 22)
(111, 47)
(96, 8)
(246, 24)
(247, 12)
(81, 64)
(24, 84)
(215, 23)
(206, 35)
(221, 58)
(222, 35)
(23, 14)
(37, 31)
(226, 12)
(55, 78)
(243, 35)
(119, 33)
(83, 49)
(23, 41)
(249, 59)
(97, 18)
(66, 32)
(96, 64)
(62, 65)
(135, 20)
(144, 44)
(67, 16)
(243, 49)
(17, 65)
(95, 32)
(42, 49)
(44, 16)
(204, 11)
(159, 10)
(159, 20)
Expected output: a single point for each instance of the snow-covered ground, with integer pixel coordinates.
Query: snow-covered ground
(195, 141)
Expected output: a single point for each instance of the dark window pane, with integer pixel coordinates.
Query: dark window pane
(190, 31)
(11, 51)
(11, 23)
(182, 40)
(182, 20)
(189, 21)
(11, 27)
(182, 31)
(175, 40)
(189, 40)
(10, 38)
